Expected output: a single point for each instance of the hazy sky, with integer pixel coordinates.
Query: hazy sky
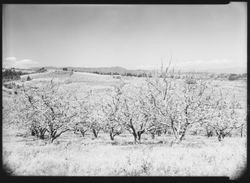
(199, 37)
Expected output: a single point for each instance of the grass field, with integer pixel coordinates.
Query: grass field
(73, 155)
(84, 156)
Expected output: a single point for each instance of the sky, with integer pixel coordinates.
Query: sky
(210, 38)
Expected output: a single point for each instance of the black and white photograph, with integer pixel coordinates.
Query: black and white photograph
(124, 89)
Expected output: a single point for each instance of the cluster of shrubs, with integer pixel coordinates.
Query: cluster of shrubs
(41, 70)
(11, 85)
(190, 81)
(230, 77)
(233, 77)
(28, 78)
(11, 74)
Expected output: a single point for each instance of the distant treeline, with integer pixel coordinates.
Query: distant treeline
(11, 74)
(124, 74)
(229, 76)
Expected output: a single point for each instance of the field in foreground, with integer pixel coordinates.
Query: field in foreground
(73, 155)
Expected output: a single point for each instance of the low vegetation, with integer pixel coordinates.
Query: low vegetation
(77, 156)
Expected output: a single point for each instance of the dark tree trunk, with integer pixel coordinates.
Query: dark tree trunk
(111, 133)
(210, 134)
(219, 137)
(42, 132)
(83, 132)
(111, 136)
(95, 133)
(52, 139)
(175, 132)
(42, 137)
(181, 136)
(135, 136)
(38, 132)
(139, 137)
(33, 132)
(131, 127)
(139, 133)
(54, 135)
(183, 131)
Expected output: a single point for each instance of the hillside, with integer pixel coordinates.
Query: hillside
(103, 70)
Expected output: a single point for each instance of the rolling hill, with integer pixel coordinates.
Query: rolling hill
(103, 70)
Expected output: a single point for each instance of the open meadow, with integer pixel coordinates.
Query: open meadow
(83, 124)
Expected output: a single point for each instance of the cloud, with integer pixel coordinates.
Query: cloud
(10, 59)
(24, 63)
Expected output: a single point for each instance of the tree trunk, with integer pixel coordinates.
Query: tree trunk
(153, 135)
(95, 133)
(210, 134)
(42, 132)
(111, 133)
(219, 137)
(54, 135)
(131, 127)
(174, 132)
(181, 136)
(111, 136)
(135, 136)
(223, 136)
(139, 136)
(139, 133)
(33, 132)
(83, 132)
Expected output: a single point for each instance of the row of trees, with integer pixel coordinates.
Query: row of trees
(154, 106)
